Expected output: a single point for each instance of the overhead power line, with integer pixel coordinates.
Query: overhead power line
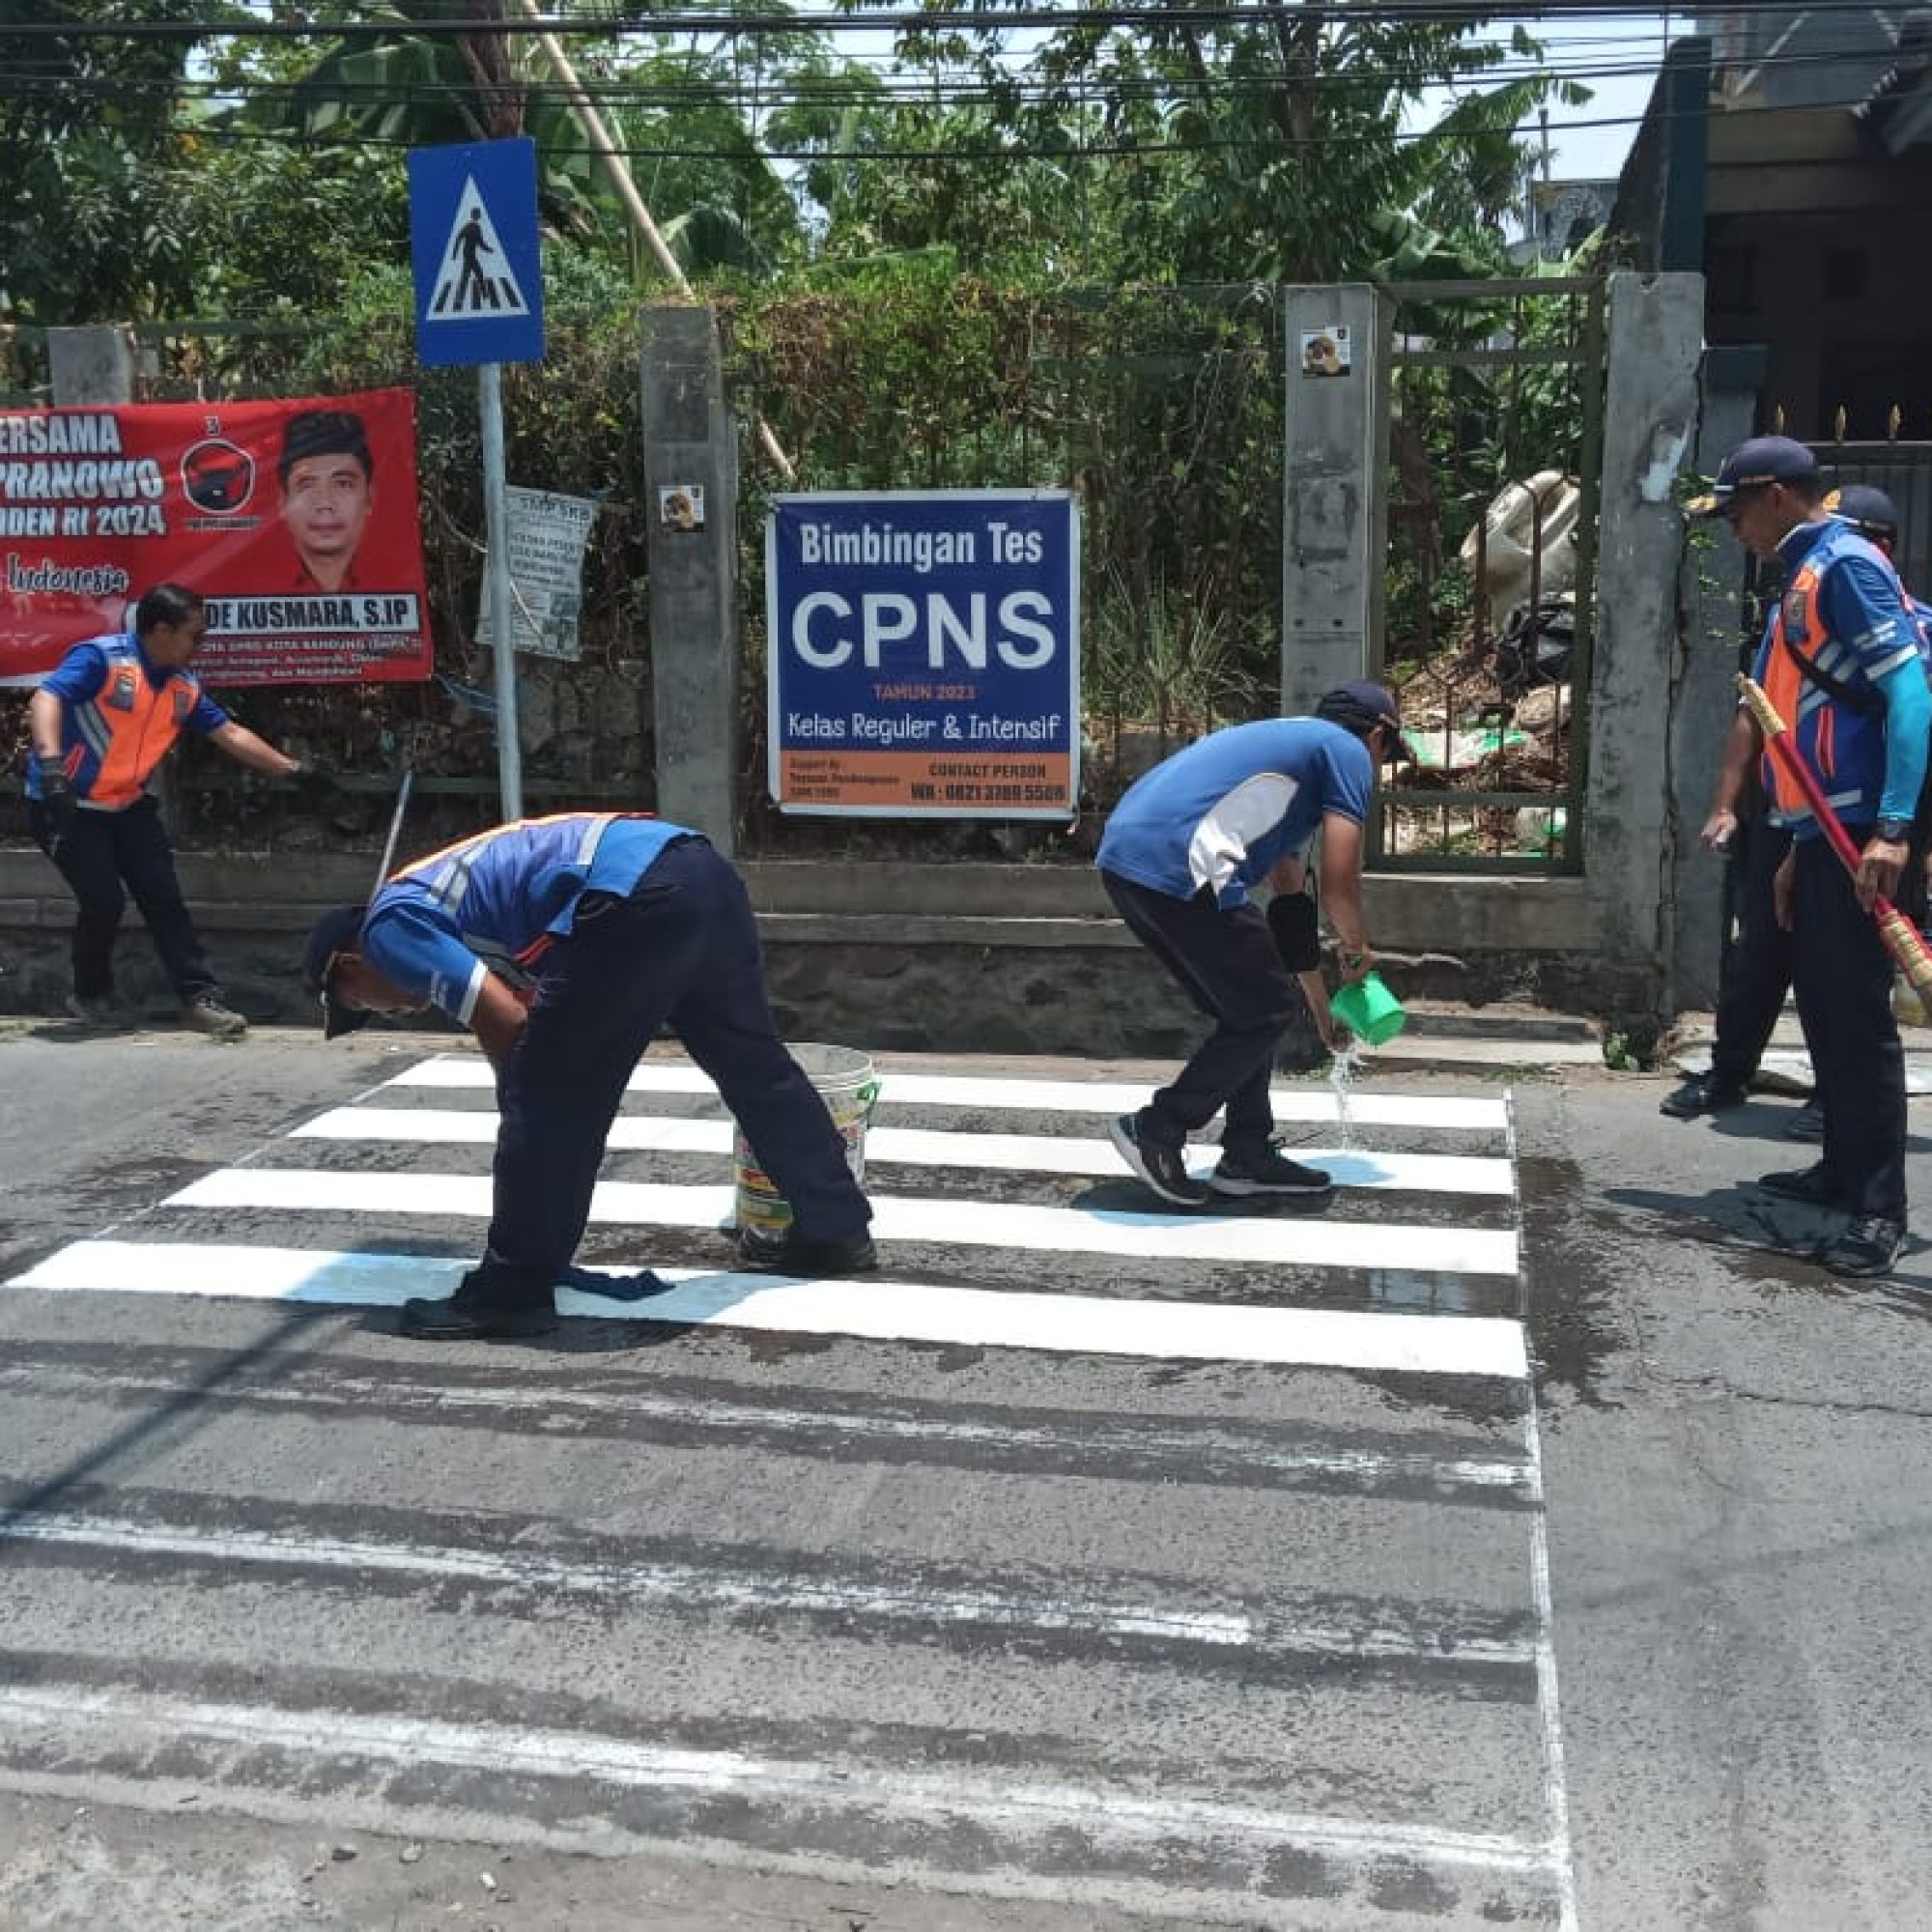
(899, 84)
(1156, 13)
(1067, 152)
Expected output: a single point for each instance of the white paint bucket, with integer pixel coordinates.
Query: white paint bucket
(845, 1079)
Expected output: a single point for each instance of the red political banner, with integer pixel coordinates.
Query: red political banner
(296, 520)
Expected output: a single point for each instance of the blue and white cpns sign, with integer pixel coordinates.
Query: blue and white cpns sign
(925, 653)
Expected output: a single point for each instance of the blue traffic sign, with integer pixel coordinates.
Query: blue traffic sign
(473, 245)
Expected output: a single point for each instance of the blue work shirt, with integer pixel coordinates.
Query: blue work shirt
(493, 903)
(1224, 811)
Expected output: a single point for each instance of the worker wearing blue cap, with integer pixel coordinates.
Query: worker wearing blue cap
(1840, 664)
(1238, 809)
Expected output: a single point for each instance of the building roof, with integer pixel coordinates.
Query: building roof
(1899, 108)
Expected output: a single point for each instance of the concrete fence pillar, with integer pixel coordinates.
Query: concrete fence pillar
(1650, 430)
(90, 366)
(1335, 507)
(1712, 593)
(691, 487)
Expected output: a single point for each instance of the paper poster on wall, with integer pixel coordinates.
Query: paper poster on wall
(297, 519)
(549, 534)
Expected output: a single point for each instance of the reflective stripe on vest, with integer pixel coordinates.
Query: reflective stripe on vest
(1798, 629)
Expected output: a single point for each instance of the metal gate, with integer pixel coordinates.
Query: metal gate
(1903, 470)
(1494, 449)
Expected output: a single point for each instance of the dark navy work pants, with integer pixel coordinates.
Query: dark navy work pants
(1843, 979)
(1755, 974)
(681, 949)
(105, 857)
(1226, 961)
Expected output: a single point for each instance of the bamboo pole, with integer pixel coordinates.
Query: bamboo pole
(616, 166)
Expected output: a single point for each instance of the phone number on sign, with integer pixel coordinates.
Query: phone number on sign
(990, 794)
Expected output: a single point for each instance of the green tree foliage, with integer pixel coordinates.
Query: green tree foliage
(287, 228)
(409, 86)
(134, 198)
(689, 115)
(91, 227)
(674, 108)
(1181, 144)
(1189, 144)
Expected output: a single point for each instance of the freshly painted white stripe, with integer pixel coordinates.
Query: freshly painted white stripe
(917, 1147)
(1366, 1107)
(1265, 1240)
(114, 1720)
(689, 1584)
(1465, 1344)
(1093, 1440)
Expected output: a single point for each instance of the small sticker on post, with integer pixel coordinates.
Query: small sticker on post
(1326, 352)
(681, 506)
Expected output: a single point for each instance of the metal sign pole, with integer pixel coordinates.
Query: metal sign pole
(496, 528)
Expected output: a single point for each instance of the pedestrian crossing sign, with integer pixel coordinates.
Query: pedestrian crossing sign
(473, 245)
(474, 280)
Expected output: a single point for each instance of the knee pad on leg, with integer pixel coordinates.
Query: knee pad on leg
(1290, 918)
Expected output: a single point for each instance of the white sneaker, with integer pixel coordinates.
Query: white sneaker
(207, 1014)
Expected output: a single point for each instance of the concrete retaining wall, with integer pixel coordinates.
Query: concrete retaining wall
(949, 958)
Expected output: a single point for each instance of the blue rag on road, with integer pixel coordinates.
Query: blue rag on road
(639, 1287)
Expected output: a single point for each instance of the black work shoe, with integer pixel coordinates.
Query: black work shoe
(454, 1320)
(1701, 1094)
(793, 1253)
(1811, 1185)
(94, 1009)
(1267, 1173)
(1807, 1125)
(1164, 1169)
(1867, 1247)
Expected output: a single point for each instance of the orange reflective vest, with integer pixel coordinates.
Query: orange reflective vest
(1840, 738)
(114, 741)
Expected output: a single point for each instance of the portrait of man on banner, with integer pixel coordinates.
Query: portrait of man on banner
(327, 495)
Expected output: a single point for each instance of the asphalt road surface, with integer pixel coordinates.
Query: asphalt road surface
(1517, 1542)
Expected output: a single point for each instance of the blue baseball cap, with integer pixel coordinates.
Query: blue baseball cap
(335, 933)
(1762, 460)
(1362, 704)
(1867, 508)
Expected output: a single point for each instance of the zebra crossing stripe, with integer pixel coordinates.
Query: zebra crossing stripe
(917, 1147)
(93, 1724)
(655, 1576)
(1364, 1107)
(1058, 1444)
(1262, 1239)
(872, 1309)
